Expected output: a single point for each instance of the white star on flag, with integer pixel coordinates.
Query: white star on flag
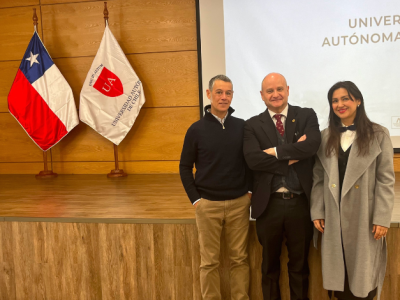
(33, 58)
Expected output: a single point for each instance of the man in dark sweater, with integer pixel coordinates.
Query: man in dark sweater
(220, 189)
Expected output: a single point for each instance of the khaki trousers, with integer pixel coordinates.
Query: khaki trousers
(211, 217)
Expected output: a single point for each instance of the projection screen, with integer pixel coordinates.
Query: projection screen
(313, 44)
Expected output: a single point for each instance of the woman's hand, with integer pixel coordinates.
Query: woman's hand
(319, 224)
(380, 231)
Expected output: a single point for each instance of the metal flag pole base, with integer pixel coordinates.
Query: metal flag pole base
(46, 174)
(117, 172)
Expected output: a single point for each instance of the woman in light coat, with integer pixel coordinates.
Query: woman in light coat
(352, 197)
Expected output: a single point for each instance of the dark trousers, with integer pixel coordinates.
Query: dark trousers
(288, 218)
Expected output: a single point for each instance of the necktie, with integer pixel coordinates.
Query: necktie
(279, 124)
(351, 127)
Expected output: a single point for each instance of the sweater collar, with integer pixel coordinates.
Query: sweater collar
(207, 113)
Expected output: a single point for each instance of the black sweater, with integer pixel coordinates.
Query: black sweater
(221, 171)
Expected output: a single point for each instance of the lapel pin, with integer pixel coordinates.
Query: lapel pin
(293, 120)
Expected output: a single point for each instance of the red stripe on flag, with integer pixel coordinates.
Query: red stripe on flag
(33, 113)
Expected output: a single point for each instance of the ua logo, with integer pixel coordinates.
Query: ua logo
(109, 84)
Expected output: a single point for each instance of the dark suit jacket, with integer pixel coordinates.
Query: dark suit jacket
(260, 134)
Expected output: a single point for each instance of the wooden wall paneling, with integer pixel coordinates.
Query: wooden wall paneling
(74, 276)
(20, 147)
(152, 26)
(90, 252)
(46, 2)
(145, 261)
(117, 261)
(133, 167)
(157, 134)
(26, 274)
(8, 71)
(56, 262)
(16, 31)
(164, 259)
(255, 260)
(131, 261)
(195, 249)
(391, 285)
(396, 162)
(183, 262)
(16, 3)
(169, 79)
(7, 276)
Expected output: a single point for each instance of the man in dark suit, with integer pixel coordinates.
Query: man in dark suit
(279, 145)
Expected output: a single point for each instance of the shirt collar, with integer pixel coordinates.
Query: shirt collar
(284, 112)
(218, 118)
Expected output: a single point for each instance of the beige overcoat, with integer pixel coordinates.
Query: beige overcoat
(367, 199)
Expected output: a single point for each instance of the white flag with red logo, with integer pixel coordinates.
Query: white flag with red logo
(112, 94)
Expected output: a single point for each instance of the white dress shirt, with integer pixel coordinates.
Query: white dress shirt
(347, 138)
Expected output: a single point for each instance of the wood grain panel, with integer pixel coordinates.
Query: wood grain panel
(158, 134)
(20, 147)
(16, 31)
(169, 79)
(7, 75)
(46, 2)
(132, 167)
(145, 261)
(76, 29)
(7, 276)
(129, 261)
(396, 162)
(117, 256)
(164, 260)
(15, 3)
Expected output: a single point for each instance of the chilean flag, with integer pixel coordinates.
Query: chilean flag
(41, 99)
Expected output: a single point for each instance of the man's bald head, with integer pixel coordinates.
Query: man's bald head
(275, 92)
(273, 75)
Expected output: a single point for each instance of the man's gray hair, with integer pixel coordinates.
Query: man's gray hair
(218, 77)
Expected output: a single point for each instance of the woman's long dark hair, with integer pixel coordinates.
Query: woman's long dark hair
(364, 127)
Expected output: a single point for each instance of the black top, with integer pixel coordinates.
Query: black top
(342, 161)
(221, 172)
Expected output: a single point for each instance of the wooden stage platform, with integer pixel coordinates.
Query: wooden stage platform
(90, 237)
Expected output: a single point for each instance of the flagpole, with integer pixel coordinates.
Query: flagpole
(46, 173)
(35, 19)
(117, 172)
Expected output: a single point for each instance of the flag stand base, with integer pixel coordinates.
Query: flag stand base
(46, 175)
(117, 173)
